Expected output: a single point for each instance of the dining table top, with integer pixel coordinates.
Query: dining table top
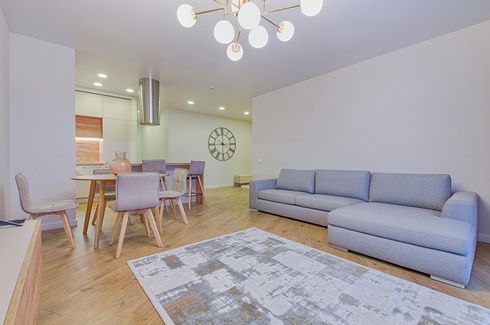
(99, 177)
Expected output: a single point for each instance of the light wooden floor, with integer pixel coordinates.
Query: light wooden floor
(87, 287)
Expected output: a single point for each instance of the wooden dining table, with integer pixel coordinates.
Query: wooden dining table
(103, 181)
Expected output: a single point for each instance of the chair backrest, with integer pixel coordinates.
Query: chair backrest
(197, 167)
(136, 191)
(104, 171)
(179, 180)
(154, 166)
(24, 196)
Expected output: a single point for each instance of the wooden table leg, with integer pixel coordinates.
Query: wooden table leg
(100, 216)
(90, 202)
(201, 186)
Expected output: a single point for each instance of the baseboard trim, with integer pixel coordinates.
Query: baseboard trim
(484, 238)
(219, 186)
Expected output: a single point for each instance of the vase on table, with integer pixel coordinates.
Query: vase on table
(120, 164)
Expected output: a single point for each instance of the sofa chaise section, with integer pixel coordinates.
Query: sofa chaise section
(413, 221)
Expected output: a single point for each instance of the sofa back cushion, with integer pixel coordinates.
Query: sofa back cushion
(354, 184)
(428, 191)
(296, 180)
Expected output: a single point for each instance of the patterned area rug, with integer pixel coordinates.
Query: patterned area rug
(254, 277)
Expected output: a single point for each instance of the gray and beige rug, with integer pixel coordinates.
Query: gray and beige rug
(254, 277)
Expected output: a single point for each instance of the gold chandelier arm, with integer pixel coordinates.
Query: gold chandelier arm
(283, 9)
(220, 3)
(208, 11)
(270, 22)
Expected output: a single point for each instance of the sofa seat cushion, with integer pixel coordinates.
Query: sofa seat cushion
(279, 196)
(416, 226)
(324, 202)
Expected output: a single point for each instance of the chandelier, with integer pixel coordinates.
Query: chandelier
(249, 15)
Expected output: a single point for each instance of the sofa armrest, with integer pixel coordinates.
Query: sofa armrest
(462, 206)
(259, 185)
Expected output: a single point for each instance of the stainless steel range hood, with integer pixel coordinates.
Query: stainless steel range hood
(149, 101)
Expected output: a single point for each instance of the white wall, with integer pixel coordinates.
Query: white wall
(153, 139)
(188, 134)
(4, 117)
(42, 119)
(422, 109)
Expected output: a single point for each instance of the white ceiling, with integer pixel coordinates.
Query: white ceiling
(129, 39)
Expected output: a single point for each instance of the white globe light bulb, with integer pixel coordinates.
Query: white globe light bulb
(249, 15)
(258, 37)
(311, 7)
(224, 31)
(186, 15)
(234, 51)
(285, 31)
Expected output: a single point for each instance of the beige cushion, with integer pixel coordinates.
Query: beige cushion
(54, 206)
(170, 194)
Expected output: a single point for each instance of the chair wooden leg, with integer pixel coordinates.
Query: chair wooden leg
(66, 225)
(149, 215)
(173, 208)
(94, 219)
(190, 192)
(153, 225)
(156, 212)
(116, 227)
(145, 223)
(159, 217)
(120, 242)
(182, 212)
(90, 203)
(202, 190)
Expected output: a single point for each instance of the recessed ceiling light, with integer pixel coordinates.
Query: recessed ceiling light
(97, 84)
(211, 87)
(246, 113)
(129, 90)
(102, 75)
(190, 102)
(221, 108)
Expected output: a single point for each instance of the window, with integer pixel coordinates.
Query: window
(89, 140)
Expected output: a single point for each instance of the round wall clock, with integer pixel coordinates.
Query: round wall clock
(221, 144)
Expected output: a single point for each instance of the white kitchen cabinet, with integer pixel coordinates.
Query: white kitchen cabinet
(88, 104)
(116, 108)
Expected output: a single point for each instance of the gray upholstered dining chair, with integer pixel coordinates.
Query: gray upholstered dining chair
(110, 191)
(179, 177)
(196, 171)
(136, 193)
(155, 166)
(40, 210)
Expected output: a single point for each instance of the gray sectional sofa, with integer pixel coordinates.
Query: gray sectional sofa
(412, 220)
